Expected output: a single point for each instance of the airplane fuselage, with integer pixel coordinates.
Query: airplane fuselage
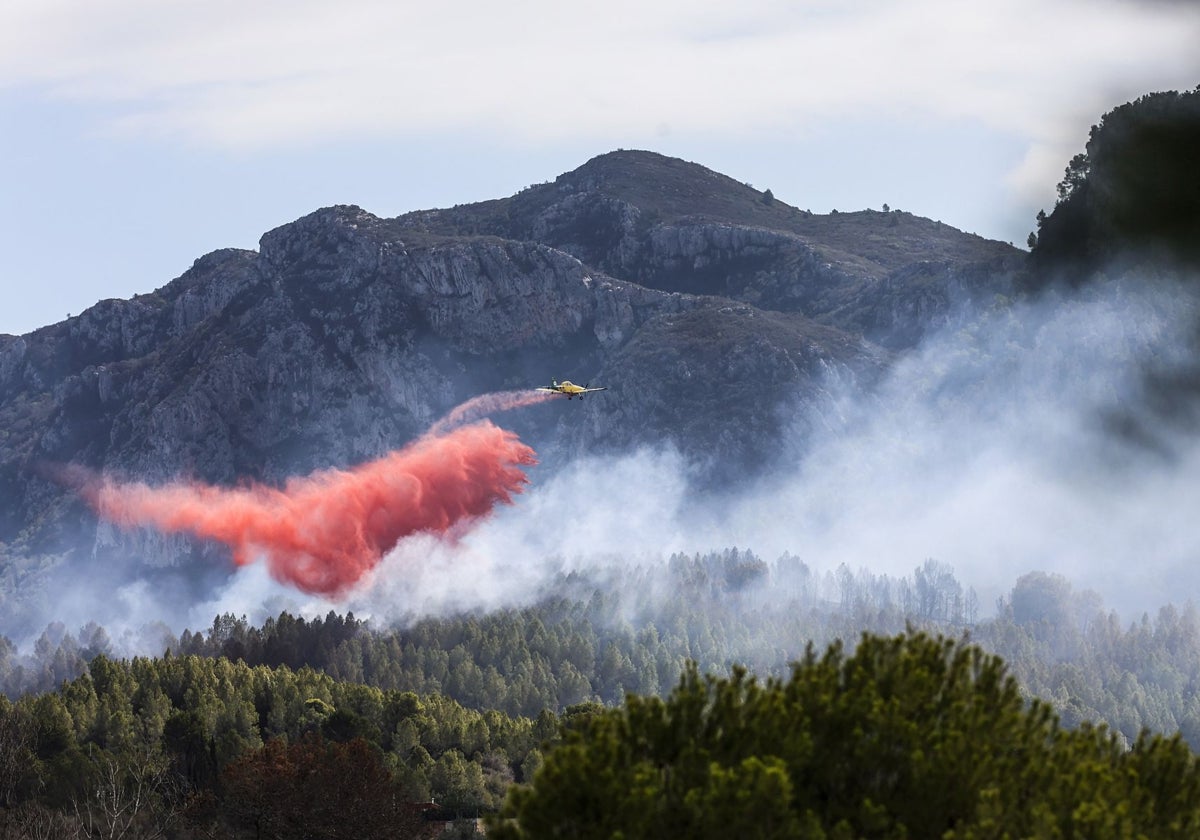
(569, 389)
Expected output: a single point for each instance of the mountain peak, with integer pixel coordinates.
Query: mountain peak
(345, 335)
(673, 188)
(637, 167)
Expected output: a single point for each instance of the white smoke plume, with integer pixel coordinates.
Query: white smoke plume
(990, 448)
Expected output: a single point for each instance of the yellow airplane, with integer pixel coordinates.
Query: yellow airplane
(570, 389)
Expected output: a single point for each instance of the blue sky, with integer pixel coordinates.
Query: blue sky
(140, 134)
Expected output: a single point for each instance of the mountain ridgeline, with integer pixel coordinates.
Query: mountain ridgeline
(711, 311)
(721, 319)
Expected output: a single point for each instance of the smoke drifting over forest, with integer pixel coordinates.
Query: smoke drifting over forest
(995, 448)
(999, 446)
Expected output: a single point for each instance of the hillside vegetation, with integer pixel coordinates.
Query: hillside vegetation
(1132, 197)
(602, 636)
(910, 736)
(221, 733)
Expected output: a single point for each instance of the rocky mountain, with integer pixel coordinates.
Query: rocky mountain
(710, 310)
(675, 226)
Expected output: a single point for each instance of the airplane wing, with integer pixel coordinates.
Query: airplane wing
(589, 390)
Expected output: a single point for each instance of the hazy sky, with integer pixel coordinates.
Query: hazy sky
(137, 135)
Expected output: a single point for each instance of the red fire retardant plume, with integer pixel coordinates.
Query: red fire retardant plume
(323, 532)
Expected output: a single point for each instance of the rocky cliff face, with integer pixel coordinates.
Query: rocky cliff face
(709, 316)
(674, 226)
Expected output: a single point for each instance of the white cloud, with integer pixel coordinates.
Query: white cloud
(755, 90)
(247, 75)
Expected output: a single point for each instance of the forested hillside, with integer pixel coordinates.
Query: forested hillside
(911, 736)
(597, 637)
(349, 717)
(1132, 196)
(147, 746)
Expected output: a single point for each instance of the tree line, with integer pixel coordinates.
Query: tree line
(599, 635)
(908, 736)
(192, 746)
(902, 735)
(228, 728)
